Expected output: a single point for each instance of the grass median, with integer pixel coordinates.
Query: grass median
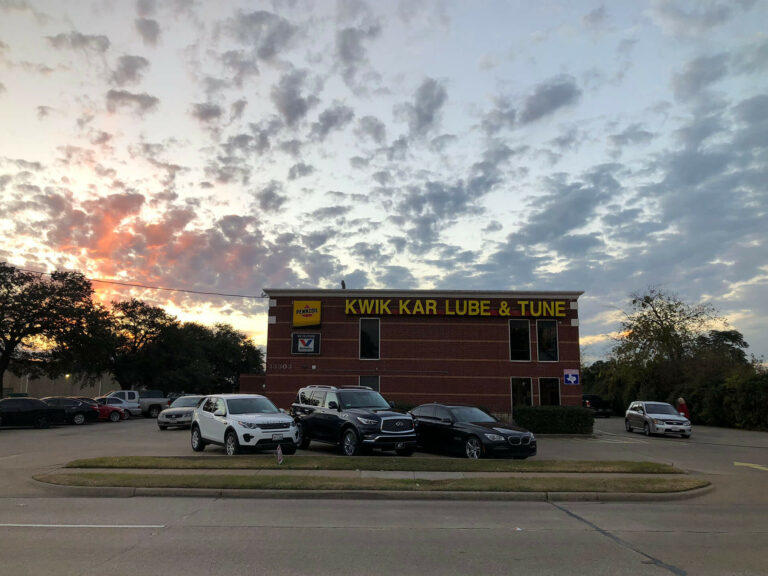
(648, 485)
(377, 463)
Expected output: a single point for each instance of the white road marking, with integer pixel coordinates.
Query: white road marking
(82, 525)
(748, 465)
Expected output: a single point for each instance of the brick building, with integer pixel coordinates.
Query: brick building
(492, 349)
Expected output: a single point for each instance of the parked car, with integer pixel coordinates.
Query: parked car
(471, 432)
(76, 411)
(118, 403)
(106, 411)
(152, 402)
(131, 401)
(236, 421)
(29, 412)
(597, 404)
(656, 418)
(354, 418)
(179, 413)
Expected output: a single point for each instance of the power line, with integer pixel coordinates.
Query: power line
(136, 285)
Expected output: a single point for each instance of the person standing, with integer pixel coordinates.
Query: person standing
(682, 407)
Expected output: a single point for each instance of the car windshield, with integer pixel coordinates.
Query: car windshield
(659, 408)
(251, 406)
(470, 414)
(186, 402)
(363, 399)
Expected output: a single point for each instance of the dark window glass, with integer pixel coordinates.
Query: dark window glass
(210, 405)
(522, 394)
(547, 340)
(371, 381)
(470, 414)
(442, 413)
(519, 340)
(549, 390)
(369, 338)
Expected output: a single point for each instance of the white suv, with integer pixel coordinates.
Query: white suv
(242, 420)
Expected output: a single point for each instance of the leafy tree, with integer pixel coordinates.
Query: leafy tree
(38, 311)
(138, 329)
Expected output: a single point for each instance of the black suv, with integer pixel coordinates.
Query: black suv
(356, 418)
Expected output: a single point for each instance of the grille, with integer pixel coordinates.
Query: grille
(520, 440)
(397, 425)
(673, 423)
(274, 426)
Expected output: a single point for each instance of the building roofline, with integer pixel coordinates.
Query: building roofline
(500, 294)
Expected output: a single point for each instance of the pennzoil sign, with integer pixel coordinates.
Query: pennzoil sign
(306, 312)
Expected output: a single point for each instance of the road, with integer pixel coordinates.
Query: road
(724, 532)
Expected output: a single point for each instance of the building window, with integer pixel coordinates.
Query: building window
(547, 340)
(519, 341)
(522, 393)
(549, 391)
(371, 381)
(369, 338)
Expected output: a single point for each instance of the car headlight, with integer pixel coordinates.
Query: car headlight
(368, 421)
(658, 422)
(495, 437)
(250, 425)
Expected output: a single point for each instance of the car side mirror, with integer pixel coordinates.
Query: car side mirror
(391, 404)
(282, 411)
(220, 412)
(333, 405)
(446, 421)
(681, 414)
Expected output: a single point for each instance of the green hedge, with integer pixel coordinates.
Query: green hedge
(555, 419)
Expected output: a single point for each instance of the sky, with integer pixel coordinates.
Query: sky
(221, 148)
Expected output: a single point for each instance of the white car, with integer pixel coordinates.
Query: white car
(179, 413)
(130, 400)
(236, 421)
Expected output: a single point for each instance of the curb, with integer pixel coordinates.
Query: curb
(120, 492)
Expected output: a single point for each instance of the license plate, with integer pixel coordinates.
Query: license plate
(277, 436)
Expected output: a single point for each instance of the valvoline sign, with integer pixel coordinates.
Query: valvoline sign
(306, 312)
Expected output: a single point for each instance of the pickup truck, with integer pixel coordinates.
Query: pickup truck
(146, 402)
(152, 402)
(596, 403)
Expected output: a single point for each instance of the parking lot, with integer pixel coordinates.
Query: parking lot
(736, 461)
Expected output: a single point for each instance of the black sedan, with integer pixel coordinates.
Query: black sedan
(28, 412)
(76, 411)
(471, 432)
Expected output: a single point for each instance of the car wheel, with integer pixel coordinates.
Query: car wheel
(288, 449)
(627, 426)
(42, 422)
(350, 444)
(198, 445)
(303, 440)
(154, 411)
(473, 448)
(78, 419)
(231, 445)
(114, 416)
(404, 451)
(646, 429)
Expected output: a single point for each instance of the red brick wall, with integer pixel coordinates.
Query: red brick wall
(423, 358)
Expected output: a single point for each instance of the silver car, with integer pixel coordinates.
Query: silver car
(656, 418)
(179, 413)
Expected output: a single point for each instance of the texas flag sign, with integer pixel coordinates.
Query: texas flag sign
(571, 377)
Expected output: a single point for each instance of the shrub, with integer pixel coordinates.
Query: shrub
(555, 419)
